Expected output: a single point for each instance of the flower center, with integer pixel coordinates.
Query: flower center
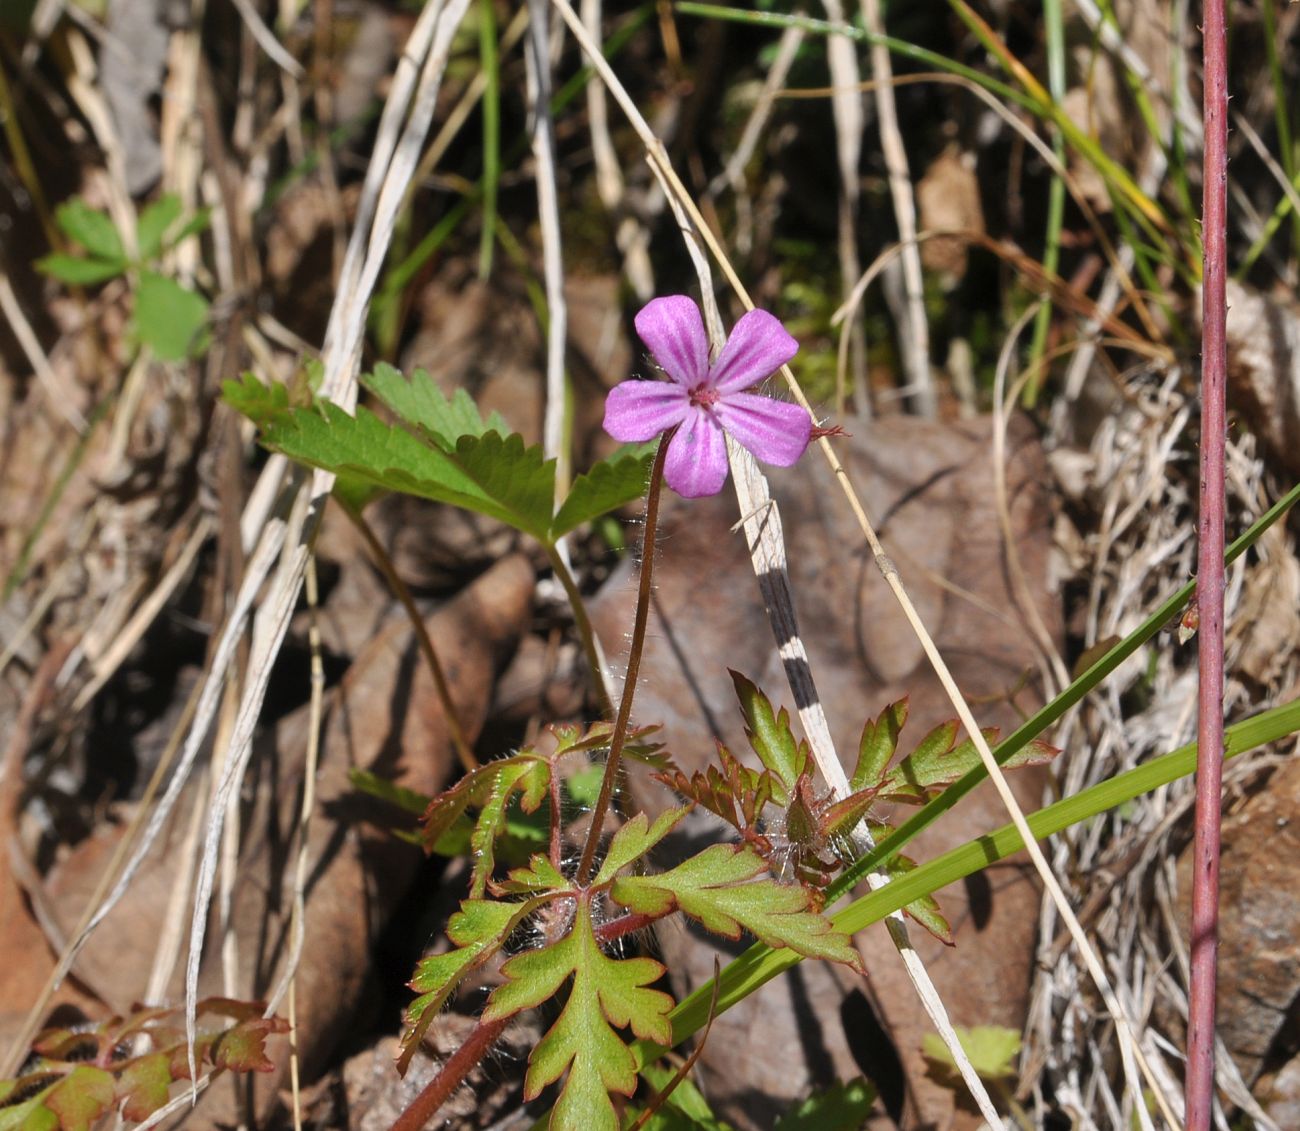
(703, 397)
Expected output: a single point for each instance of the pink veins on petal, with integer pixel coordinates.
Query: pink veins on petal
(704, 402)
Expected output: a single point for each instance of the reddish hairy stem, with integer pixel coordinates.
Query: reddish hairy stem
(450, 1077)
(619, 736)
(1199, 1084)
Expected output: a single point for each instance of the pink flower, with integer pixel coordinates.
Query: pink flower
(703, 401)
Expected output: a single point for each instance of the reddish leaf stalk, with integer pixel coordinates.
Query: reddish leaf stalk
(1199, 1086)
(619, 737)
(452, 1074)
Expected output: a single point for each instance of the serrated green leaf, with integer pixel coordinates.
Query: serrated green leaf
(81, 1097)
(841, 1107)
(992, 1050)
(770, 736)
(154, 222)
(420, 403)
(606, 993)
(937, 762)
(168, 318)
(607, 486)
(255, 399)
(90, 228)
(487, 474)
(878, 745)
(78, 271)
(717, 889)
(479, 929)
(636, 838)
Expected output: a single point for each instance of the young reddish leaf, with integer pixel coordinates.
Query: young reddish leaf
(838, 820)
(878, 745)
(479, 929)
(937, 762)
(242, 1047)
(144, 1083)
(717, 888)
(735, 792)
(770, 735)
(491, 821)
(636, 838)
(474, 789)
(925, 909)
(606, 993)
(81, 1097)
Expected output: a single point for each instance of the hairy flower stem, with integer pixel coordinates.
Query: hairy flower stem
(1199, 1083)
(619, 736)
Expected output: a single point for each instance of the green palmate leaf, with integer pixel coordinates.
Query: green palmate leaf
(992, 1050)
(937, 762)
(420, 403)
(610, 484)
(90, 228)
(80, 272)
(878, 745)
(479, 929)
(841, 1107)
(154, 222)
(770, 735)
(256, 400)
(493, 476)
(168, 318)
(718, 889)
(606, 993)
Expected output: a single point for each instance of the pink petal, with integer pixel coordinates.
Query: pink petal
(673, 329)
(696, 463)
(776, 432)
(757, 348)
(641, 410)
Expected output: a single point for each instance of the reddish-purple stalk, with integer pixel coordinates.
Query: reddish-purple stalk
(1199, 1090)
(619, 737)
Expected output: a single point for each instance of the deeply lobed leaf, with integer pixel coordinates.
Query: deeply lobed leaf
(718, 889)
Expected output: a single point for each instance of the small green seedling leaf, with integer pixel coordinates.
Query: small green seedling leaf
(992, 1050)
(153, 224)
(606, 993)
(841, 1107)
(77, 271)
(878, 745)
(770, 735)
(168, 318)
(718, 889)
(90, 228)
